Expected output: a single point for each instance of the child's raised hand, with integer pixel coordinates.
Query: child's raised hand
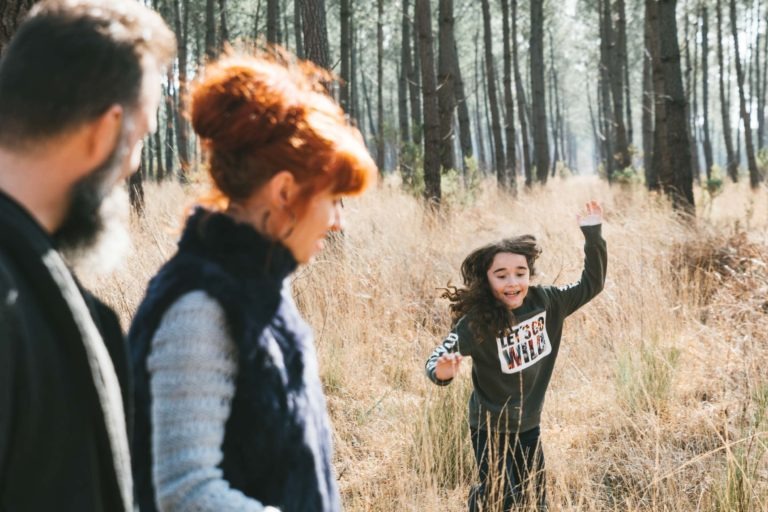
(447, 366)
(593, 215)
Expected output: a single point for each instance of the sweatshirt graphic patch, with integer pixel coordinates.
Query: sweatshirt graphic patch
(524, 345)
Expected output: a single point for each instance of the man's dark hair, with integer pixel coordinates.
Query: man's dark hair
(71, 60)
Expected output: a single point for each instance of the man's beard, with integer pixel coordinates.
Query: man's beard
(94, 236)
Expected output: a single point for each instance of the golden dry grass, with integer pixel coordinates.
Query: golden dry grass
(660, 394)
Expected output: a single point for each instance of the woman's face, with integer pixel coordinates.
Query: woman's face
(322, 215)
(509, 278)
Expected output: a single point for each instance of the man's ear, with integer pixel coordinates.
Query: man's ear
(102, 135)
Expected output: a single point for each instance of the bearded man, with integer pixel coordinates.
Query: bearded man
(79, 90)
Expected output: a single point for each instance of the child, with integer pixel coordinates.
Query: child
(512, 331)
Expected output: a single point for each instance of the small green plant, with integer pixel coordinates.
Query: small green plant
(627, 177)
(645, 377)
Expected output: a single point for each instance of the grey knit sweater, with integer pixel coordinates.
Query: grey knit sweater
(193, 365)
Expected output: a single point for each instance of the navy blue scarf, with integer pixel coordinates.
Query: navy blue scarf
(277, 442)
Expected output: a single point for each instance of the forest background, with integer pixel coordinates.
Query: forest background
(497, 117)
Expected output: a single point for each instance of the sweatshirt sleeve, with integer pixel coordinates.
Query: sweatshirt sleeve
(7, 358)
(193, 369)
(572, 296)
(451, 344)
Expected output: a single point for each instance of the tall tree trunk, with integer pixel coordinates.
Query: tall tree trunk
(462, 109)
(648, 102)
(761, 99)
(690, 100)
(521, 110)
(380, 84)
(490, 72)
(538, 92)
(12, 13)
(273, 22)
(223, 24)
(446, 95)
(181, 21)
(414, 83)
(480, 141)
(557, 120)
(616, 81)
(732, 164)
(298, 28)
(210, 29)
(346, 62)
(675, 169)
(596, 151)
(621, 44)
(431, 111)
(509, 104)
(405, 157)
(170, 117)
(315, 32)
(708, 160)
(604, 98)
(754, 174)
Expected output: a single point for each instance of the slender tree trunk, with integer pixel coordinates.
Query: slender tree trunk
(273, 22)
(346, 61)
(481, 155)
(754, 174)
(182, 30)
(538, 92)
(553, 105)
(732, 164)
(509, 104)
(170, 116)
(690, 100)
(596, 151)
(315, 32)
(402, 84)
(431, 111)
(210, 29)
(708, 160)
(675, 169)
(616, 81)
(490, 72)
(446, 96)
(462, 109)
(380, 84)
(604, 97)
(414, 83)
(621, 42)
(223, 24)
(761, 99)
(298, 28)
(521, 109)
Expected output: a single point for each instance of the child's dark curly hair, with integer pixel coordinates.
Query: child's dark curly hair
(486, 315)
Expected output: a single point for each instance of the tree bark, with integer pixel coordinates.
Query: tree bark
(273, 22)
(432, 191)
(12, 13)
(402, 84)
(521, 109)
(708, 160)
(414, 83)
(675, 170)
(223, 25)
(380, 84)
(298, 29)
(315, 32)
(465, 133)
(490, 72)
(210, 29)
(648, 102)
(604, 98)
(509, 104)
(621, 42)
(754, 174)
(538, 92)
(732, 164)
(446, 95)
(616, 81)
(346, 62)
(181, 21)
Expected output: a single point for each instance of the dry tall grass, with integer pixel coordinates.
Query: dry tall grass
(660, 395)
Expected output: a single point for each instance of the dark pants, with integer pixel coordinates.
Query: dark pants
(511, 471)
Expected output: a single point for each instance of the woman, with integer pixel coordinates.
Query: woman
(230, 413)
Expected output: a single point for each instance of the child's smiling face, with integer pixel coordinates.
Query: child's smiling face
(509, 278)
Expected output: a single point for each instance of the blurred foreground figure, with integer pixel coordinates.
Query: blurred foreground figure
(230, 412)
(79, 87)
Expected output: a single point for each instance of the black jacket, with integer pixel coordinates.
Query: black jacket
(56, 434)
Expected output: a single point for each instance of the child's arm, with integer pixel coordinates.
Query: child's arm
(443, 364)
(572, 297)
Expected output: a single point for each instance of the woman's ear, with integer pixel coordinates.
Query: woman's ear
(282, 189)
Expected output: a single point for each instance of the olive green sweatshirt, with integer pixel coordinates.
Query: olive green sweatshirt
(511, 373)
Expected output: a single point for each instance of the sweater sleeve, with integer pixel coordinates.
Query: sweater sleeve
(572, 296)
(193, 369)
(452, 343)
(7, 362)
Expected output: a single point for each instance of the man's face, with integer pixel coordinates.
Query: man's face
(94, 233)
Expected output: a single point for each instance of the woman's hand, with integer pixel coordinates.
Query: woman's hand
(447, 366)
(593, 215)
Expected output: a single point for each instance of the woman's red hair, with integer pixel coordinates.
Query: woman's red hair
(263, 114)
